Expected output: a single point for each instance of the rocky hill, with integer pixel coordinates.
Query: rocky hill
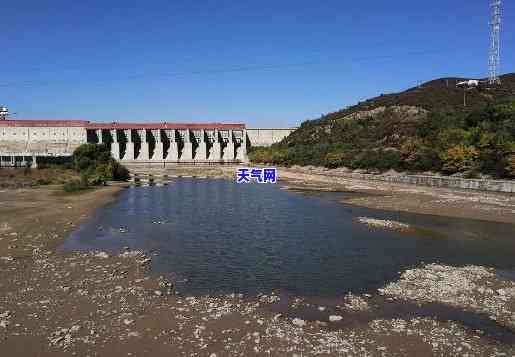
(423, 128)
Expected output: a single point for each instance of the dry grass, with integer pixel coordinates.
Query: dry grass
(18, 178)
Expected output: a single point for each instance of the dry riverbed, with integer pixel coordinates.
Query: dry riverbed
(97, 304)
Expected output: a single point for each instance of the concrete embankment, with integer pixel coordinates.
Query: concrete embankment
(436, 181)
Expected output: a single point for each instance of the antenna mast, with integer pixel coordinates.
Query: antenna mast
(495, 39)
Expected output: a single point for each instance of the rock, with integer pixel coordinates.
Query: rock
(158, 292)
(5, 314)
(381, 223)
(355, 303)
(145, 261)
(102, 255)
(4, 323)
(134, 334)
(128, 321)
(299, 322)
(67, 339)
(57, 340)
(335, 318)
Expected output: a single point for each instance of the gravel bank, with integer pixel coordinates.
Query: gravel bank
(98, 304)
(474, 288)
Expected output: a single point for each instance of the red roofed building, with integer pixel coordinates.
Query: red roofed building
(25, 140)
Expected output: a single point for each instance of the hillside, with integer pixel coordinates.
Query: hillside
(422, 128)
(439, 94)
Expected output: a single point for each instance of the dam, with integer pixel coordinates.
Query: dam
(22, 142)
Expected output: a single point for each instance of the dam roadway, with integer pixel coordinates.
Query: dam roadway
(22, 142)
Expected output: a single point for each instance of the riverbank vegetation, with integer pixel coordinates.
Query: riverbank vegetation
(96, 166)
(27, 177)
(90, 165)
(405, 137)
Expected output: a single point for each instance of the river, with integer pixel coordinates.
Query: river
(214, 236)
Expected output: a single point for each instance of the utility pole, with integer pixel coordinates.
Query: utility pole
(495, 43)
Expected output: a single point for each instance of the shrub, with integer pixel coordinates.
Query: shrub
(41, 182)
(460, 158)
(96, 165)
(102, 174)
(90, 155)
(335, 159)
(75, 185)
(120, 172)
(416, 156)
(388, 159)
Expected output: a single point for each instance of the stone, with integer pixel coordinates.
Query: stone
(335, 318)
(299, 322)
(102, 255)
(57, 340)
(5, 314)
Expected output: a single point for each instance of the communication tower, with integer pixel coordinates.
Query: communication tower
(495, 42)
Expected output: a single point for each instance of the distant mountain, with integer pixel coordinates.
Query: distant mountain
(422, 128)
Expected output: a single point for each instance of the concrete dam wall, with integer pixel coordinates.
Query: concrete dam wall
(267, 137)
(23, 141)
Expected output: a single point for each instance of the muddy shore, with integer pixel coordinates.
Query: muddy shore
(93, 304)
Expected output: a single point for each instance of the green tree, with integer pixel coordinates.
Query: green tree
(95, 163)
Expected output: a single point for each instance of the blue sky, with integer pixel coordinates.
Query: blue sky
(264, 63)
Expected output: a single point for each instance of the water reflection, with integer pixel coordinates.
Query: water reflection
(224, 237)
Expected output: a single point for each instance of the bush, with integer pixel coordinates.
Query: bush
(88, 156)
(460, 158)
(96, 165)
(416, 156)
(335, 159)
(120, 172)
(41, 182)
(75, 185)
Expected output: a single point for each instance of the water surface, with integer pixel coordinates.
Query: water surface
(215, 236)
